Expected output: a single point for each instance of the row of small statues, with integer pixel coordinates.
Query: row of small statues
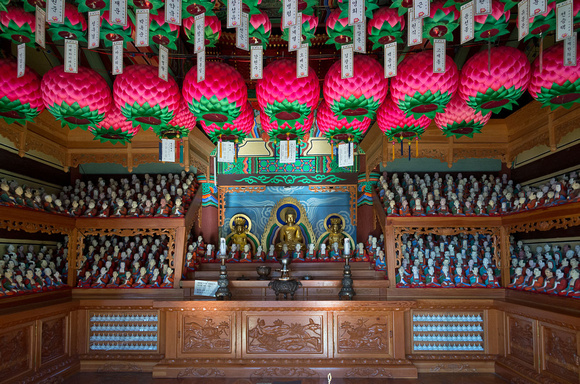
(439, 261)
(160, 196)
(552, 269)
(125, 262)
(471, 196)
(28, 268)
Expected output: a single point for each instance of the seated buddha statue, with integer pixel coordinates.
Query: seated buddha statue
(335, 232)
(290, 233)
(239, 237)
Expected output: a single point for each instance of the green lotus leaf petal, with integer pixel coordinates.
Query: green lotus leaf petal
(213, 105)
(495, 101)
(83, 7)
(15, 111)
(564, 95)
(301, 110)
(201, 5)
(367, 105)
(111, 135)
(136, 111)
(415, 130)
(462, 128)
(67, 27)
(65, 113)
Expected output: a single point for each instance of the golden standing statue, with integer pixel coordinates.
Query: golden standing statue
(335, 233)
(240, 236)
(290, 233)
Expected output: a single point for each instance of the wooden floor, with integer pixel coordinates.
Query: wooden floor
(145, 378)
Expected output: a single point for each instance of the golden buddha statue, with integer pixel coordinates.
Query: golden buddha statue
(335, 232)
(240, 237)
(290, 233)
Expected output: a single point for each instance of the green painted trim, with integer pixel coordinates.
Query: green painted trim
(291, 179)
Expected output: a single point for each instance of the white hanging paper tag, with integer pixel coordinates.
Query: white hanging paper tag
(289, 13)
(117, 57)
(40, 32)
(94, 29)
(347, 61)
(201, 66)
(295, 34)
(302, 61)
(421, 9)
(538, 7)
(414, 30)
(287, 151)
(163, 62)
(55, 11)
(227, 152)
(439, 55)
(356, 11)
(71, 56)
(482, 7)
(360, 36)
(242, 33)
(257, 54)
(570, 48)
(199, 32)
(21, 61)
(563, 20)
(167, 149)
(234, 13)
(118, 12)
(142, 27)
(346, 155)
(173, 11)
(467, 22)
(390, 60)
(523, 19)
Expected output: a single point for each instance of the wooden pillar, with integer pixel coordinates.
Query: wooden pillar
(390, 253)
(179, 255)
(505, 258)
(73, 256)
(398, 334)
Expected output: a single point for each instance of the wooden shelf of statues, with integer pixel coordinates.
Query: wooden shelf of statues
(448, 332)
(126, 331)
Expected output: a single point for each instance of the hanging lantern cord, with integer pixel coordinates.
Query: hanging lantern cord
(417, 146)
(220, 144)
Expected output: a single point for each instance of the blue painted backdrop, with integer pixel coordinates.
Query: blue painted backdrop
(318, 205)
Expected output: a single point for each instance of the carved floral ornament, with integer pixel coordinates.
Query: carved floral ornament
(545, 225)
(31, 227)
(445, 231)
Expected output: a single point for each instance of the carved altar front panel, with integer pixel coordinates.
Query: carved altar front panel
(284, 334)
(54, 336)
(560, 353)
(363, 335)
(16, 352)
(521, 339)
(206, 334)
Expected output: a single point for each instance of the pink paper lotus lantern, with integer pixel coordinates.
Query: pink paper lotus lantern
(309, 24)
(219, 98)
(370, 6)
(499, 87)
(402, 6)
(144, 98)
(76, 99)
(74, 26)
(459, 119)
(260, 29)
(179, 126)
(29, 5)
(576, 13)
(490, 27)
(3, 5)
(340, 130)
(152, 5)
(397, 126)
(236, 132)
(212, 30)
(442, 21)
(338, 31)
(285, 98)
(18, 25)
(192, 8)
(357, 97)
(385, 27)
(112, 32)
(543, 23)
(417, 91)
(20, 98)
(556, 85)
(114, 128)
(285, 130)
(161, 32)
(92, 5)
